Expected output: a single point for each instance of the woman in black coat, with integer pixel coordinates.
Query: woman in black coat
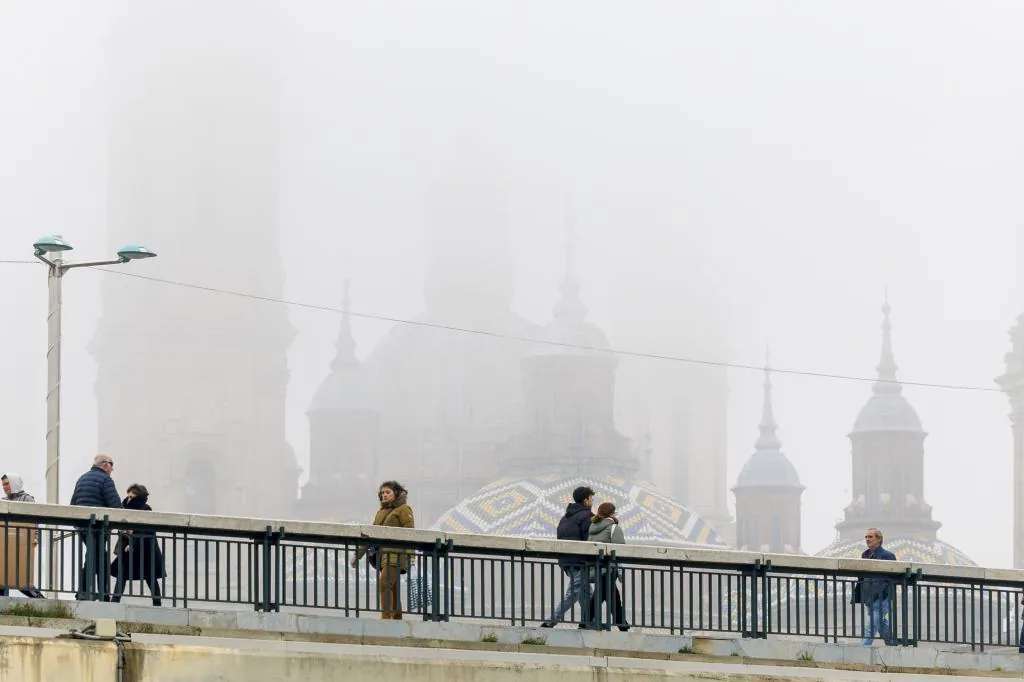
(138, 552)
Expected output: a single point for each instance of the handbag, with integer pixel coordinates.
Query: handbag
(371, 555)
(420, 596)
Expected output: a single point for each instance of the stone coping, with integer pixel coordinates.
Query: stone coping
(341, 533)
(142, 621)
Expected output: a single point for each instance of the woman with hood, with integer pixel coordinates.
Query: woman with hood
(604, 528)
(138, 555)
(24, 534)
(390, 563)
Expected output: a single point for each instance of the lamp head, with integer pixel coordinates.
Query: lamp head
(130, 252)
(52, 243)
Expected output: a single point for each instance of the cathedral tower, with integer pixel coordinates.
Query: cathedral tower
(191, 384)
(568, 438)
(569, 397)
(768, 491)
(1013, 383)
(888, 460)
(448, 399)
(344, 426)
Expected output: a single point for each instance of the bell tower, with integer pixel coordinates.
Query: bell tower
(191, 384)
(569, 397)
(888, 459)
(768, 491)
(344, 427)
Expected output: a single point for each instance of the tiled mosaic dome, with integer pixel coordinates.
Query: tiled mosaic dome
(532, 507)
(905, 548)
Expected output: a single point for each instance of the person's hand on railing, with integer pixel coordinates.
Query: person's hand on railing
(353, 561)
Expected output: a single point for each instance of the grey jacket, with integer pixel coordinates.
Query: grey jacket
(607, 531)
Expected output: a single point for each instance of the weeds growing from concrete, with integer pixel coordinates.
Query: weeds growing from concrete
(59, 609)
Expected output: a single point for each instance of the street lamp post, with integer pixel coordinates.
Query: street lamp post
(50, 251)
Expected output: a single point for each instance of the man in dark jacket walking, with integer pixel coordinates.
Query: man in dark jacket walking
(95, 488)
(575, 525)
(875, 592)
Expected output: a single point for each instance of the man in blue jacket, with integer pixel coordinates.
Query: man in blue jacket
(875, 593)
(95, 488)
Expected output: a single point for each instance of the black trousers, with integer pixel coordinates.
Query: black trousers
(151, 580)
(618, 612)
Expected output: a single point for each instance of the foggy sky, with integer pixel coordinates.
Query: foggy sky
(774, 165)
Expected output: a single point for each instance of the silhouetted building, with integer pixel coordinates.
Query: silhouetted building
(768, 492)
(191, 385)
(888, 475)
(568, 438)
(344, 428)
(1013, 383)
(448, 398)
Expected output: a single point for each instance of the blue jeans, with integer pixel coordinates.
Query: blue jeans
(578, 590)
(876, 620)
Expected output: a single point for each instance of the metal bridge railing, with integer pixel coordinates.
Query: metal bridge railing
(67, 552)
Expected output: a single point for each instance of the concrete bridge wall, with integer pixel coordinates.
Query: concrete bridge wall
(169, 658)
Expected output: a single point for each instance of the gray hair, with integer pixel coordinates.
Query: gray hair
(100, 460)
(878, 532)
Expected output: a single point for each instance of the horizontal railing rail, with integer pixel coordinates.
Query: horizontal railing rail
(183, 559)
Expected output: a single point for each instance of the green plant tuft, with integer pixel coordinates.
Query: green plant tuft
(535, 641)
(805, 656)
(490, 637)
(58, 609)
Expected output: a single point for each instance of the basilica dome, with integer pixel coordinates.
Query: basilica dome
(915, 550)
(531, 508)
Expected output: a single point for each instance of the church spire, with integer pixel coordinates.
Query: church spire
(346, 345)
(768, 441)
(570, 307)
(887, 381)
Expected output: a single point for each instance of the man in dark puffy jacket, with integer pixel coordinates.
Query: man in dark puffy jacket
(575, 525)
(95, 488)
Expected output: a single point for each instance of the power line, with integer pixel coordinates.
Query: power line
(545, 342)
(20, 262)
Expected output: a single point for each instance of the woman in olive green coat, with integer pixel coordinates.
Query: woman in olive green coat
(391, 563)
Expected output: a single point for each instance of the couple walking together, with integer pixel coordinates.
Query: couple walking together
(582, 524)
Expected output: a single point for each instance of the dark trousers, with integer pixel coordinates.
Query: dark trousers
(618, 612)
(94, 578)
(152, 581)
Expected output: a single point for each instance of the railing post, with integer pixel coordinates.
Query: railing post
(593, 617)
(103, 561)
(612, 585)
(438, 553)
(766, 594)
(279, 591)
(87, 576)
(915, 587)
(748, 622)
(270, 562)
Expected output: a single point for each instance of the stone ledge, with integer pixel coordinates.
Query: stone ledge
(469, 636)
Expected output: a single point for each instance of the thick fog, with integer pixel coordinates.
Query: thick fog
(740, 175)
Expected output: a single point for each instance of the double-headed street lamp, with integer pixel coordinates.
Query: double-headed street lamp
(50, 251)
